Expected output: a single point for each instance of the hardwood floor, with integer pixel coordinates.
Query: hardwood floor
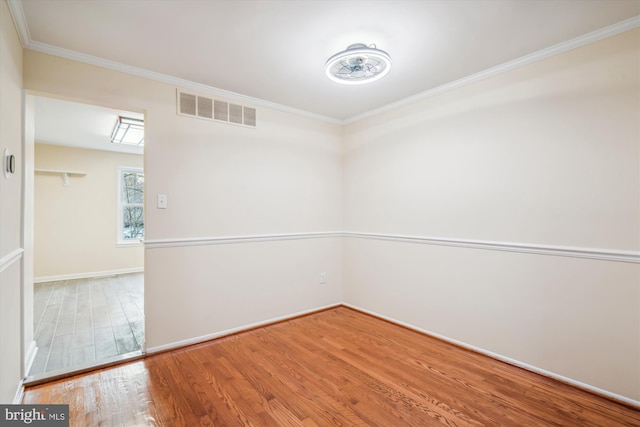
(334, 368)
(87, 320)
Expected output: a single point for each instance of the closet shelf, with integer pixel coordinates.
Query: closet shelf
(60, 172)
(64, 174)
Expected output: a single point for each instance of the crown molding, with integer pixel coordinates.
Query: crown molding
(19, 20)
(17, 13)
(557, 49)
(170, 80)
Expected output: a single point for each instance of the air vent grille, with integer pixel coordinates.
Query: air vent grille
(249, 116)
(235, 113)
(221, 109)
(212, 109)
(205, 107)
(187, 104)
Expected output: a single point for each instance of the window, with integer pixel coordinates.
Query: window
(130, 205)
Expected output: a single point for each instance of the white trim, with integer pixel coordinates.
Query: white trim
(175, 81)
(10, 258)
(502, 358)
(557, 49)
(17, 398)
(17, 12)
(196, 340)
(83, 368)
(130, 244)
(566, 251)
(89, 275)
(30, 357)
(19, 20)
(200, 241)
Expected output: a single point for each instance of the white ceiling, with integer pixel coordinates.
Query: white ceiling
(275, 50)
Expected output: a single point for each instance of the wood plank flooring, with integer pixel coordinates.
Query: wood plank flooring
(334, 368)
(87, 320)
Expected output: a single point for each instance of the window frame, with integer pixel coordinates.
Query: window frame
(120, 241)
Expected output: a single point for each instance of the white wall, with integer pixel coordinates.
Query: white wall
(10, 208)
(233, 285)
(221, 180)
(76, 226)
(547, 154)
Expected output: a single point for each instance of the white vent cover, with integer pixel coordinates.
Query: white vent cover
(221, 111)
(235, 113)
(212, 109)
(205, 107)
(249, 116)
(187, 104)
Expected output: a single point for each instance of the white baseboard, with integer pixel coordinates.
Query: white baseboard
(196, 340)
(577, 384)
(30, 357)
(496, 356)
(89, 275)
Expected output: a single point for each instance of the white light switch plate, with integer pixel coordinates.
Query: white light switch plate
(162, 201)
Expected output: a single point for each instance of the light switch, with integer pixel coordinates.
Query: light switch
(162, 201)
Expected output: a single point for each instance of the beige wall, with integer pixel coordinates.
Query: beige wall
(221, 180)
(547, 154)
(76, 227)
(10, 208)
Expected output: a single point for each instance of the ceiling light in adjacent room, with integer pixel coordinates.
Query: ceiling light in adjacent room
(128, 131)
(358, 64)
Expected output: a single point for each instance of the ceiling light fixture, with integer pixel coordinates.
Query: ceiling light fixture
(358, 64)
(128, 131)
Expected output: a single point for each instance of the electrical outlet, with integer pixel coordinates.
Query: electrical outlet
(323, 278)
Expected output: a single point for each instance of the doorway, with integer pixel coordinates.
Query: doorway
(88, 224)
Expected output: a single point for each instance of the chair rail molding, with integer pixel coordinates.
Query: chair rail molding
(566, 251)
(10, 258)
(226, 240)
(530, 248)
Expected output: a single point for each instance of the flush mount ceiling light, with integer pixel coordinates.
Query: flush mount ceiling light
(128, 131)
(358, 64)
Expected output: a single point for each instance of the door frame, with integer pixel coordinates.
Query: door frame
(28, 212)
